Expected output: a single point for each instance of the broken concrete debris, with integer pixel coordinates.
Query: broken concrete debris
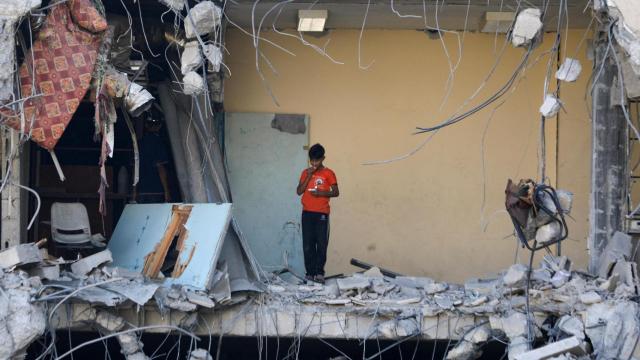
(21, 320)
(549, 232)
(571, 325)
(550, 106)
(516, 276)
(581, 308)
(569, 70)
(200, 354)
(572, 345)
(46, 272)
(469, 347)
(193, 83)
(590, 297)
(561, 296)
(85, 265)
(627, 29)
(527, 27)
(202, 19)
(213, 54)
(20, 255)
(617, 249)
(353, 283)
(631, 76)
(191, 58)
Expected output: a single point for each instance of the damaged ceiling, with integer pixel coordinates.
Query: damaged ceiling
(451, 15)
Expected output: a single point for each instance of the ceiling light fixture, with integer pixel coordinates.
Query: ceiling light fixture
(312, 20)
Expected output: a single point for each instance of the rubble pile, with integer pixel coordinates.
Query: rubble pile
(21, 320)
(574, 315)
(29, 279)
(577, 314)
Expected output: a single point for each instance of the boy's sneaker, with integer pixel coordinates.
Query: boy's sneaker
(319, 279)
(309, 278)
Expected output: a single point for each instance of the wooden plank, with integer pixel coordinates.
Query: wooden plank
(154, 261)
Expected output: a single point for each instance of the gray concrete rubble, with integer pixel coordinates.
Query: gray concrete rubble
(21, 320)
(516, 275)
(631, 76)
(193, 83)
(569, 70)
(213, 54)
(85, 265)
(597, 312)
(191, 58)
(627, 30)
(202, 19)
(550, 106)
(572, 345)
(469, 347)
(20, 255)
(527, 27)
(200, 354)
(618, 249)
(549, 232)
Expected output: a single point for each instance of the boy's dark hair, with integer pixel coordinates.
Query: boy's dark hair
(316, 152)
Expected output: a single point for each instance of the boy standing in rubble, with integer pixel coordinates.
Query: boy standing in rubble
(317, 185)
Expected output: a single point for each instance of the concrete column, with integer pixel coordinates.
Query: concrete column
(609, 155)
(10, 224)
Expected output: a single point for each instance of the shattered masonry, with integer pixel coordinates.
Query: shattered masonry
(405, 306)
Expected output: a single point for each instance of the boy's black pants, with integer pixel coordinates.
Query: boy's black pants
(315, 239)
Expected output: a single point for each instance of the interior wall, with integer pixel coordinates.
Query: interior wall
(440, 212)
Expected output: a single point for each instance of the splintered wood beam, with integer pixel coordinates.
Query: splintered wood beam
(180, 267)
(154, 260)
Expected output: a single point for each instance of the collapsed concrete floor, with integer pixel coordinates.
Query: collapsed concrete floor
(572, 314)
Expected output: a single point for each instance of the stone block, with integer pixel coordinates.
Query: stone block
(20, 255)
(85, 265)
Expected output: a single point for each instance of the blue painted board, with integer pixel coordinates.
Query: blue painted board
(142, 226)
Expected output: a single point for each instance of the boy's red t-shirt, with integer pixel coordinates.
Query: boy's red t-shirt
(321, 180)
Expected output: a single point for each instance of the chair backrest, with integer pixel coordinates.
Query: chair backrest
(70, 223)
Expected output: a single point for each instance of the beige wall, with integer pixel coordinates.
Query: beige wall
(422, 215)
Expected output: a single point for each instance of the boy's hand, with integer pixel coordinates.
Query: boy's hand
(311, 170)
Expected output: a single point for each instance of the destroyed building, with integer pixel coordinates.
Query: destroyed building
(427, 109)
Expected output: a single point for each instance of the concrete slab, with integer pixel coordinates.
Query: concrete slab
(353, 283)
(571, 345)
(20, 255)
(85, 265)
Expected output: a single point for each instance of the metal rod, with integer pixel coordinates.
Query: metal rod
(364, 265)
